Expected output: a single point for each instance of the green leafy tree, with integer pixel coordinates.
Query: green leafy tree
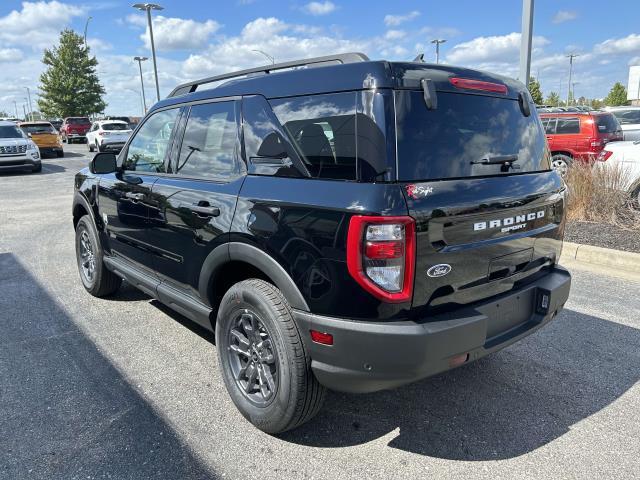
(596, 103)
(4, 114)
(535, 91)
(553, 99)
(617, 96)
(70, 86)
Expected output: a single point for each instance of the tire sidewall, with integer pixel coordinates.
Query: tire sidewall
(273, 417)
(566, 159)
(85, 224)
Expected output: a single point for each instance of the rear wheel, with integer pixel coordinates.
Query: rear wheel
(90, 145)
(60, 153)
(37, 168)
(96, 279)
(264, 364)
(561, 163)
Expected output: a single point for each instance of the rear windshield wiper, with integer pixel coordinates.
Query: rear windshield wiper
(496, 160)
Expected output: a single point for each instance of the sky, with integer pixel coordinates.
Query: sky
(199, 38)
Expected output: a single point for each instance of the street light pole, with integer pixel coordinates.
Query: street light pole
(30, 106)
(573, 91)
(271, 59)
(148, 7)
(86, 25)
(571, 56)
(144, 100)
(15, 105)
(526, 41)
(438, 42)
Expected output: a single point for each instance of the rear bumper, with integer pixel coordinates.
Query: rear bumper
(111, 146)
(371, 356)
(50, 150)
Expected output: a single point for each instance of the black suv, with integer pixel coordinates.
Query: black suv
(338, 222)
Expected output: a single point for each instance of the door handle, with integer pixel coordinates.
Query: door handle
(204, 210)
(135, 196)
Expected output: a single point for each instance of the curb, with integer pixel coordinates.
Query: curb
(606, 257)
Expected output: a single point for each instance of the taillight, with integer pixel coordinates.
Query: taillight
(604, 155)
(103, 134)
(381, 256)
(471, 84)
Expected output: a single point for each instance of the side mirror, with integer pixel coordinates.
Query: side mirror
(103, 163)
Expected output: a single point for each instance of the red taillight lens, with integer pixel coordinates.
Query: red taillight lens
(471, 84)
(321, 337)
(604, 155)
(381, 256)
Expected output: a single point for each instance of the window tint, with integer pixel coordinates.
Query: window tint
(36, 128)
(567, 125)
(208, 147)
(627, 117)
(147, 149)
(549, 125)
(606, 123)
(115, 126)
(10, 131)
(322, 128)
(449, 141)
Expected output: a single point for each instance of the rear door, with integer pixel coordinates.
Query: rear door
(193, 205)
(490, 225)
(124, 197)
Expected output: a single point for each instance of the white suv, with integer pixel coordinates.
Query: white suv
(17, 150)
(108, 135)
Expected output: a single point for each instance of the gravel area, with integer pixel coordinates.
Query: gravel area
(603, 235)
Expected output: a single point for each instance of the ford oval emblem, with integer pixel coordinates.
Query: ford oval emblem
(439, 270)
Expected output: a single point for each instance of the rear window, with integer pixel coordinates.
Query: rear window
(465, 128)
(40, 128)
(115, 126)
(627, 117)
(78, 120)
(606, 123)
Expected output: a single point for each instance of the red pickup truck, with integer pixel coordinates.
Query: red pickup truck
(74, 129)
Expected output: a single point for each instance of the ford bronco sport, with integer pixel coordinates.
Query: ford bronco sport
(338, 222)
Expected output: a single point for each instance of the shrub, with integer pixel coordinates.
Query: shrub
(600, 194)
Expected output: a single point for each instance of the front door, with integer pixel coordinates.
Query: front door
(124, 196)
(193, 206)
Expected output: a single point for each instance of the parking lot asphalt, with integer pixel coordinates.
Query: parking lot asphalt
(123, 388)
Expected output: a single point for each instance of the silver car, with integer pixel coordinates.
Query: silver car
(629, 118)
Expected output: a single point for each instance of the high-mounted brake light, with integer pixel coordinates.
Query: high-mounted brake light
(471, 84)
(381, 256)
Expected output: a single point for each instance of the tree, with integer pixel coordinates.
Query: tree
(553, 99)
(596, 103)
(70, 86)
(4, 114)
(617, 96)
(535, 91)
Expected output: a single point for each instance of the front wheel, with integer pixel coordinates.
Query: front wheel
(90, 145)
(96, 279)
(265, 367)
(561, 163)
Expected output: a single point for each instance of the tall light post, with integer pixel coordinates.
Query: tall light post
(30, 106)
(86, 25)
(437, 42)
(571, 56)
(148, 7)
(144, 100)
(15, 105)
(271, 59)
(526, 41)
(573, 92)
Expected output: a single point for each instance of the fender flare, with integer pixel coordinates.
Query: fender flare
(236, 251)
(79, 199)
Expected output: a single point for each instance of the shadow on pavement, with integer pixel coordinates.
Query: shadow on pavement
(501, 407)
(47, 168)
(66, 411)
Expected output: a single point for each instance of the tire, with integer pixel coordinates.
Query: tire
(90, 147)
(294, 395)
(60, 153)
(100, 149)
(37, 168)
(101, 282)
(64, 139)
(562, 163)
(635, 198)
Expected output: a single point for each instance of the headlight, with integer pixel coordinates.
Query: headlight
(31, 146)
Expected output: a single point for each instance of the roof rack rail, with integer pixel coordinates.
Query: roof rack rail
(189, 87)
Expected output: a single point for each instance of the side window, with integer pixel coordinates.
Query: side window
(209, 144)
(147, 149)
(322, 128)
(549, 125)
(568, 125)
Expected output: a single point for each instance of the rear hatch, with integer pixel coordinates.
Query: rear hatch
(481, 228)
(115, 132)
(607, 128)
(78, 126)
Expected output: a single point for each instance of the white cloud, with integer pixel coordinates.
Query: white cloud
(564, 16)
(395, 20)
(41, 21)
(440, 32)
(10, 55)
(395, 34)
(499, 48)
(319, 8)
(171, 33)
(618, 46)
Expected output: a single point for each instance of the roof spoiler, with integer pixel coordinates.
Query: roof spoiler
(341, 58)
